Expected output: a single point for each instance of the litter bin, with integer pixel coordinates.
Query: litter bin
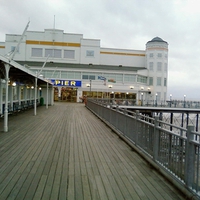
(41, 101)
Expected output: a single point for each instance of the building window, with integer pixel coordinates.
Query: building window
(54, 53)
(158, 81)
(151, 55)
(69, 54)
(13, 49)
(159, 66)
(90, 53)
(142, 79)
(159, 55)
(49, 52)
(129, 78)
(36, 52)
(151, 66)
(150, 80)
(57, 53)
(88, 77)
(165, 82)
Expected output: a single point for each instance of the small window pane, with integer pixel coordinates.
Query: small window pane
(91, 77)
(165, 82)
(130, 78)
(158, 81)
(36, 52)
(84, 76)
(69, 54)
(49, 52)
(151, 55)
(13, 49)
(90, 53)
(151, 66)
(159, 66)
(150, 80)
(57, 53)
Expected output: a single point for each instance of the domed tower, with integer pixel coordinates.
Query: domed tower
(157, 65)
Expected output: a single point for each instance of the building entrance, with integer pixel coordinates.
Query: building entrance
(65, 94)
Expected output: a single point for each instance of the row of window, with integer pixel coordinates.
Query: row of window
(159, 81)
(159, 55)
(57, 53)
(132, 78)
(159, 66)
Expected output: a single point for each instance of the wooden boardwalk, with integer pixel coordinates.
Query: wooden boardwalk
(65, 152)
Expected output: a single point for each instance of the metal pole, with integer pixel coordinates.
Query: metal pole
(35, 100)
(7, 67)
(90, 87)
(156, 99)
(184, 100)
(47, 101)
(170, 100)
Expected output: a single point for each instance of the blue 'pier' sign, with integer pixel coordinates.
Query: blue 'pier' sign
(68, 83)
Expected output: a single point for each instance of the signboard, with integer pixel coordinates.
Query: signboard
(67, 83)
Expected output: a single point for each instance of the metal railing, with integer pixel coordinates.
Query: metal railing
(176, 151)
(153, 103)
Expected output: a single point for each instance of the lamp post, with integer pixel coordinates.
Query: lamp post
(110, 86)
(156, 100)
(184, 99)
(142, 99)
(132, 87)
(90, 87)
(170, 98)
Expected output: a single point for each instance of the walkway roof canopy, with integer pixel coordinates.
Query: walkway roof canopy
(19, 73)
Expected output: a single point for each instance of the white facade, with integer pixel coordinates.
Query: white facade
(74, 58)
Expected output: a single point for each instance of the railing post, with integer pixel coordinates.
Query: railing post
(190, 157)
(156, 139)
(137, 127)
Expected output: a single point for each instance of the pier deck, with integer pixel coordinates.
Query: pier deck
(65, 152)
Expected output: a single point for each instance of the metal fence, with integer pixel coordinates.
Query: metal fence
(176, 150)
(153, 103)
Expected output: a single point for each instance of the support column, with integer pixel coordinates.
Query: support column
(1, 97)
(35, 97)
(10, 96)
(7, 68)
(47, 99)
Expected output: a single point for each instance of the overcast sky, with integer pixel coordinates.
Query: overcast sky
(125, 24)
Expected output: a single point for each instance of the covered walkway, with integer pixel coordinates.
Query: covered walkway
(65, 152)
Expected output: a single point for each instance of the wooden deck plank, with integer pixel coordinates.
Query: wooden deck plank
(65, 152)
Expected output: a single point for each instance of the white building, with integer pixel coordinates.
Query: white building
(79, 66)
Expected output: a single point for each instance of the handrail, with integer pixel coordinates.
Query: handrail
(176, 155)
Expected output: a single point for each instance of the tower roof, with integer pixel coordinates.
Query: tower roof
(157, 39)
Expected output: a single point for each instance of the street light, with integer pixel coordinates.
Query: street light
(184, 99)
(89, 85)
(142, 99)
(170, 96)
(109, 86)
(156, 99)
